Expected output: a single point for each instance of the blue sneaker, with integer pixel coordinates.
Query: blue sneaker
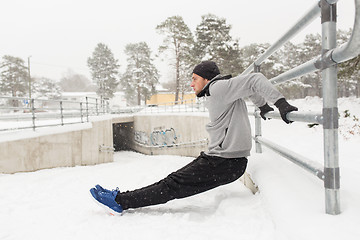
(107, 198)
(101, 189)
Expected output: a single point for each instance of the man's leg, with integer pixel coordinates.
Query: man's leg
(202, 174)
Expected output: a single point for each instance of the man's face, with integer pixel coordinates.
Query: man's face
(198, 83)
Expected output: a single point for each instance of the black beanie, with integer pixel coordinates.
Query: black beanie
(207, 70)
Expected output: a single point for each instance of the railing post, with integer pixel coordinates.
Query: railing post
(32, 102)
(87, 109)
(61, 113)
(97, 107)
(257, 121)
(81, 112)
(330, 112)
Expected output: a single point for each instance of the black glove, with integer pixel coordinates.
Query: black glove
(284, 108)
(265, 109)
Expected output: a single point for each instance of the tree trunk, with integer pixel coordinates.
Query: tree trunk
(347, 89)
(138, 95)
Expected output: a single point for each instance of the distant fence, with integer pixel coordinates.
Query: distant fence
(23, 113)
(326, 63)
(188, 105)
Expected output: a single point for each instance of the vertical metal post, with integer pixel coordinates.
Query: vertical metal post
(81, 112)
(97, 107)
(330, 113)
(32, 101)
(258, 147)
(61, 113)
(87, 109)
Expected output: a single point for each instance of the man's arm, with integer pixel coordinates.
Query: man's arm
(261, 103)
(255, 86)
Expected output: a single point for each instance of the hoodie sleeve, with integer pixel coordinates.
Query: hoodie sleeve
(257, 99)
(255, 86)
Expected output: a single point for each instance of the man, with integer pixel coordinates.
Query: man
(230, 139)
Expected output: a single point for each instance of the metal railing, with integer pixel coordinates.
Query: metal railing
(187, 105)
(23, 113)
(326, 63)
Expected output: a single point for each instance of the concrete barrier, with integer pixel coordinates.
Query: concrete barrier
(92, 143)
(63, 146)
(170, 134)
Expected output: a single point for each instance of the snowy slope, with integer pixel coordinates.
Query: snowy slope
(56, 204)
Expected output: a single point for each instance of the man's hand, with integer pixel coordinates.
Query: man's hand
(284, 108)
(265, 109)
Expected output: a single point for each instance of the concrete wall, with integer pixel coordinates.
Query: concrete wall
(65, 146)
(154, 133)
(72, 145)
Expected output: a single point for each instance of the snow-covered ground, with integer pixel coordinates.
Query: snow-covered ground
(56, 204)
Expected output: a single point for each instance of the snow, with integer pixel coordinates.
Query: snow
(56, 204)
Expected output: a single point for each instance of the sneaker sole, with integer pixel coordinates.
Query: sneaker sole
(106, 208)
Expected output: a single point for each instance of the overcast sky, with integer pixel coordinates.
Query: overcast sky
(61, 34)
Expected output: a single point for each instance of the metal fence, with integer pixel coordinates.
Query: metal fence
(187, 105)
(23, 113)
(327, 62)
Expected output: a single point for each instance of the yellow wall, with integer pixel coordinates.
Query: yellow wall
(169, 98)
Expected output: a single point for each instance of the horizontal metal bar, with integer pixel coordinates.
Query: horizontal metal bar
(303, 22)
(331, 1)
(307, 164)
(14, 128)
(201, 142)
(340, 54)
(309, 117)
(298, 71)
(350, 49)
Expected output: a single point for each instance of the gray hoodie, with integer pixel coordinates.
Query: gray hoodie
(229, 126)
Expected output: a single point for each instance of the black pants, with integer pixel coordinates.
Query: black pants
(202, 174)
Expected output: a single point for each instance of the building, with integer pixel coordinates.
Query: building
(168, 98)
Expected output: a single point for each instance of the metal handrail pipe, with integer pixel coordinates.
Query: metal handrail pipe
(298, 71)
(305, 163)
(350, 49)
(339, 54)
(12, 117)
(308, 117)
(37, 126)
(299, 26)
(15, 108)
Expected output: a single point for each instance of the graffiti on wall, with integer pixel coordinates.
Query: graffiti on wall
(141, 137)
(163, 137)
(158, 137)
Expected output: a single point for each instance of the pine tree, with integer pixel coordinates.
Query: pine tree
(310, 49)
(13, 76)
(74, 82)
(44, 87)
(141, 75)
(349, 71)
(289, 57)
(104, 70)
(214, 42)
(251, 52)
(178, 39)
